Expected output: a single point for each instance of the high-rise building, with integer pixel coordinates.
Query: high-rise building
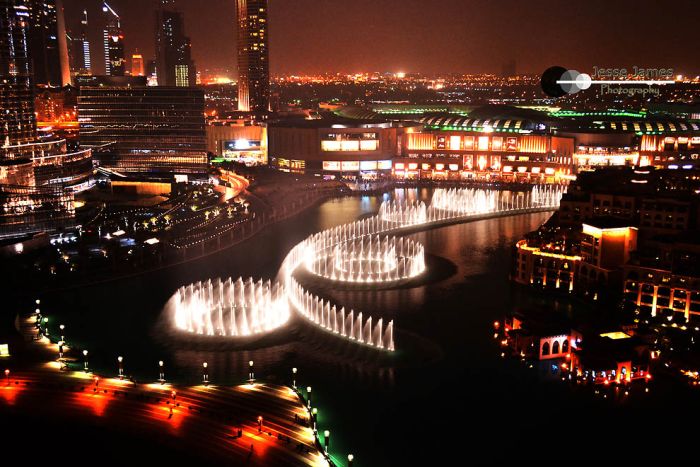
(35, 174)
(154, 131)
(137, 66)
(113, 43)
(253, 56)
(48, 45)
(80, 49)
(18, 125)
(173, 49)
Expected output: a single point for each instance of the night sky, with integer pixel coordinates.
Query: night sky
(428, 36)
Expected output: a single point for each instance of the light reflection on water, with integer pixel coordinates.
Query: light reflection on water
(442, 325)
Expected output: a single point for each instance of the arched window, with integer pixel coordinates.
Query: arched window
(555, 347)
(545, 348)
(565, 346)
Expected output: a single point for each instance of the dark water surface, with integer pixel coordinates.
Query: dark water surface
(445, 394)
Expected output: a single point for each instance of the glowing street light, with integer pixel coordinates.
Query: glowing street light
(62, 327)
(350, 459)
(120, 364)
(205, 374)
(308, 396)
(46, 326)
(251, 371)
(37, 301)
(314, 417)
(85, 360)
(326, 439)
(161, 374)
(294, 377)
(7, 376)
(260, 424)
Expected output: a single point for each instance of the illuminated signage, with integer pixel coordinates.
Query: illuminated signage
(368, 165)
(454, 167)
(331, 165)
(241, 145)
(455, 143)
(4, 350)
(467, 162)
(469, 143)
(511, 144)
(483, 143)
(425, 166)
(497, 143)
(441, 142)
(350, 165)
(549, 171)
(399, 166)
(412, 166)
(384, 165)
(439, 166)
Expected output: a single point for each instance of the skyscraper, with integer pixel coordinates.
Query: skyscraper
(18, 124)
(48, 46)
(137, 66)
(253, 56)
(113, 42)
(173, 49)
(80, 48)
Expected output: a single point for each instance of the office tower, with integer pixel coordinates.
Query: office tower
(18, 124)
(48, 45)
(33, 196)
(113, 42)
(253, 61)
(137, 66)
(157, 131)
(173, 48)
(80, 49)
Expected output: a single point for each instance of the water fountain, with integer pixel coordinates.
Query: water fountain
(368, 259)
(361, 251)
(234, 308)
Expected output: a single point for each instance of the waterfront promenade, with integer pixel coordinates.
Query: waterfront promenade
(249, 424)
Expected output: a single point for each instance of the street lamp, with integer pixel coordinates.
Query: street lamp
(62, 327)
(46, 326)
(120, 363)
(350, 459)
(7, 376)
(294, 377)
(314, 415)
(85, 360)
(308, 396)
(205, 374)
(37, 301)
(251, 371)
(326, 439)
(60, 349)
(260, 424)
(161, 375)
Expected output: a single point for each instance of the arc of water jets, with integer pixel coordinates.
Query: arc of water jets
(246, 307)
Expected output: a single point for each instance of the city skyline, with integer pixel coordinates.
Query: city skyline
(306, 38)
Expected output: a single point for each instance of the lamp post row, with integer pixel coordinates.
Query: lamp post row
(205, 377)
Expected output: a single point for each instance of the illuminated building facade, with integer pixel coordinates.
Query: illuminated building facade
(674, 150)
(173, 48)
(335, 148)
(253, 56)
(37, 178)
(459, 148)
(137, 66)
(80, 50)
(48, 45)
(152, 131)
(113, 43)
(236, 141)
(545, 267)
